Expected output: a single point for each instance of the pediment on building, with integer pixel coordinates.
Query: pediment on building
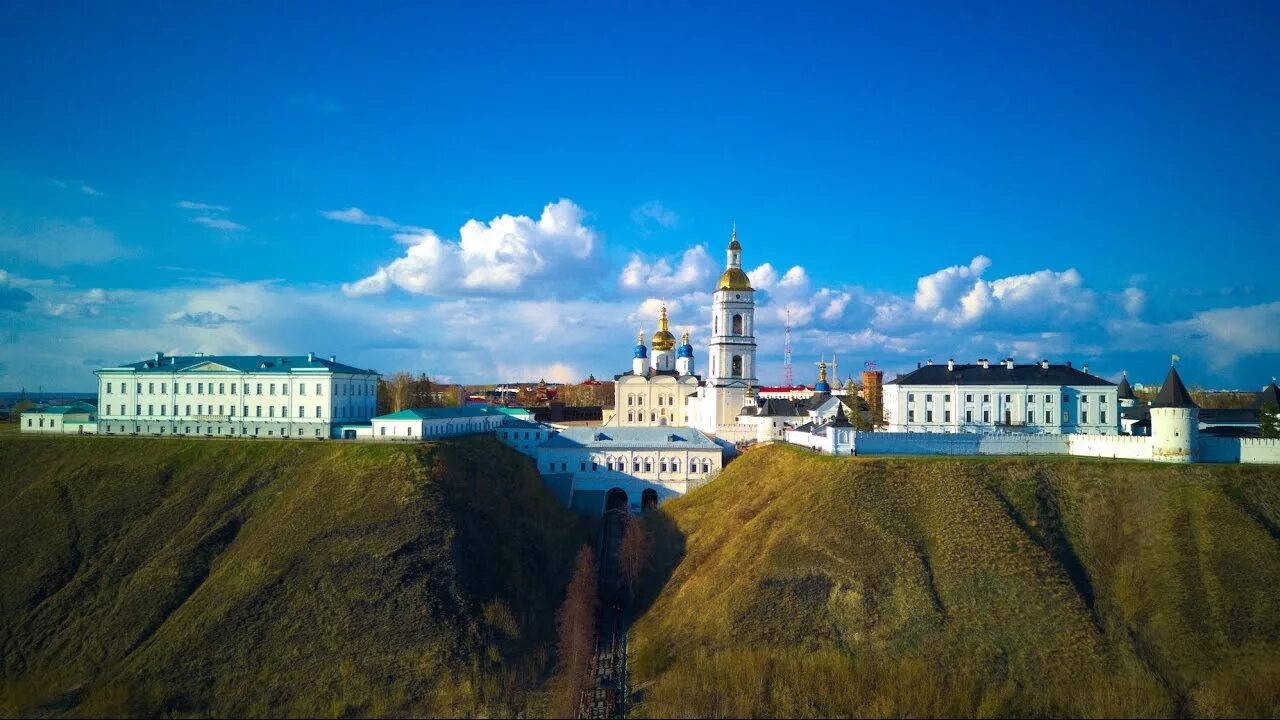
(210, 367)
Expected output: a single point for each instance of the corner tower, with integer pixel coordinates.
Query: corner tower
(1175, 422)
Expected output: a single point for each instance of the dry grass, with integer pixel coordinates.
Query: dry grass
(815, 586)
(199, 577)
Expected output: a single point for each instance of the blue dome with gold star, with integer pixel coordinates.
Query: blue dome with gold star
(641, 350)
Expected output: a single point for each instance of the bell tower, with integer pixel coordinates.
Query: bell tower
(732, 368)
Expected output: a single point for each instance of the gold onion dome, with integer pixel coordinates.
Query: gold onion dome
(734, 279)
(663, 339)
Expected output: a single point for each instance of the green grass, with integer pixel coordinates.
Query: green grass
(207, 577)
(803, 585)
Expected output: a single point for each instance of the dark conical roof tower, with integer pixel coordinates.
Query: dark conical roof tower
(1173, 394)
(1270, 395)
(840, 419)
(1124, 391)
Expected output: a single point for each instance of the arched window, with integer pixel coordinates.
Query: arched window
(659, 400)
(648, 467)
(630, 400)
(716, 323)
(737, 324)
(663, 465)
(630, 416)
(737, 366)
(675, 466)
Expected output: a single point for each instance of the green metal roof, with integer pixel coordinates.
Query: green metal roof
(77, 407)
(444, 413)
(239, 363)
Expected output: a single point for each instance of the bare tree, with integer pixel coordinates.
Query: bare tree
(634, 552)
(575, 630)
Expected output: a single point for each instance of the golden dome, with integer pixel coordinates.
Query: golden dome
(734, 279)
(663, 339)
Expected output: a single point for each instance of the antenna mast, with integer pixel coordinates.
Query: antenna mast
(787, 378)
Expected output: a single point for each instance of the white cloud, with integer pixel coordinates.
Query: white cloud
(553, 373)
(205, 207)
(694, 271)
(356, 216)
(1134, 301)
(217, 223)
(58, 243)
(508, 254)
(654, 213)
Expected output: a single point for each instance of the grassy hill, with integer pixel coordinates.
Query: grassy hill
(802, 585)
(153, 577)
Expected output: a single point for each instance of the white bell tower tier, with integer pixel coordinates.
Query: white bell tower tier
(732, 368)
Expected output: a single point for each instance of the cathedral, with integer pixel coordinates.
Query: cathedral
(662, 389)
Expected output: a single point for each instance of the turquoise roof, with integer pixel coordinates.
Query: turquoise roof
(442, 413)
(77, 407)
(240, 363)
(620, 438)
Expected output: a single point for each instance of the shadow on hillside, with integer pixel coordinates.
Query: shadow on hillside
(668, 551)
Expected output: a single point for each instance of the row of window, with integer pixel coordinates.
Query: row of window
(199, 388)
(636, 399)
(1008, 398)
(229, 410)
(201, 430)
(638, 465)
(1008, 417)
(653, 416)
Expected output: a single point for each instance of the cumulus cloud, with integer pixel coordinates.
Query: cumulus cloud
(202, 319)
(507, 254)
(693, 271)
(12, 298)
(653, 213)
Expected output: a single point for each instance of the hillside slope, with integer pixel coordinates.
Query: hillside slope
(145, 577)
(802, 585)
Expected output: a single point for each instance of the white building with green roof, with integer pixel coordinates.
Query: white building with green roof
(263, 396)
(76, 418)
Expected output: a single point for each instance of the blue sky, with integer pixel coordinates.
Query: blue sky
(509, 192)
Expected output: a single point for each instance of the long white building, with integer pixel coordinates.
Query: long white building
(1001, 397)
(275, 396)
(641, 466)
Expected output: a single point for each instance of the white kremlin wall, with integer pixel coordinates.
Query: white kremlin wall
(1211, 449)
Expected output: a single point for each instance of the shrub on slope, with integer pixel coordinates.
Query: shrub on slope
(146, 577)
(802, 585)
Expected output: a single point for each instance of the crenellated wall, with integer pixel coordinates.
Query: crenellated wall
(1239, 450)
(877, 443)
(1110, 446)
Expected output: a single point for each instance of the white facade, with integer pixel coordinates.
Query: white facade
(665, 461)
(655, 395)
(78, 418)
(1013, 401)
(243, 396)
(418, 424)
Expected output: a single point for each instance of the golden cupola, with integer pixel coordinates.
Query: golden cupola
(733, 277)
(663, 339)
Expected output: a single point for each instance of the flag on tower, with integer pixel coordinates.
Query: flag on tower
(1176, 358)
